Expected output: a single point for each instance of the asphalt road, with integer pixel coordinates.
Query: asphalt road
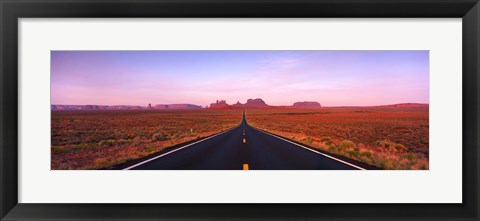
(244, 147)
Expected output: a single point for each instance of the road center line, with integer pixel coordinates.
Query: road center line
(317, 152)
(245, 166)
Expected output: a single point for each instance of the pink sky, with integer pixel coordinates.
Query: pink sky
(333, 78)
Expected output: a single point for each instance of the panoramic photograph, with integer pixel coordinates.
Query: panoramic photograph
(240, 110)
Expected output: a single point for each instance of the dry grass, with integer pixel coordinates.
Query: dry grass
(389, 138)
(99, 139)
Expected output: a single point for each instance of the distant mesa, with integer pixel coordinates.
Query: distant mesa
(258, 102)
(126, 107)
(95, 107)
(307, 104)
(219, 104)
(176, 106)
(406, 105)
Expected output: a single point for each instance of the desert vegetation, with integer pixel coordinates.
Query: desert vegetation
(100, 139)
(388, 138)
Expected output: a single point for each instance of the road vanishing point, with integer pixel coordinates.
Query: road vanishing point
(244, 148)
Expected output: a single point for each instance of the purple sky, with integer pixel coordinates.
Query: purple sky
(333, 78)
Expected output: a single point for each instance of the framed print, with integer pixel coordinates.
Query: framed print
(82, 138)
(239, 110)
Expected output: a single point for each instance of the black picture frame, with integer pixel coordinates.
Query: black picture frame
(12, 10)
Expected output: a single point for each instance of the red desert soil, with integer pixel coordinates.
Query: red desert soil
(102, 138)
(386, 137)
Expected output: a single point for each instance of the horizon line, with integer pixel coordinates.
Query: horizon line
(202, 106)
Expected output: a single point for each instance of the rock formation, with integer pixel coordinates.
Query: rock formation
(124, 107)
(219, 104)
(258, 102)
(238, 104)
(307, 104)
(95, 107)
(176, 106)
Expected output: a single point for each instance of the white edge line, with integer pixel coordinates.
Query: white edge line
(326, 155)
(167, 153)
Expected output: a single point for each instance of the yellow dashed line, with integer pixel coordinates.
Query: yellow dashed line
(245, 166)
(244, 140)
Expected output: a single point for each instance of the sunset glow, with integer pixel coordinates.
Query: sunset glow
(333, 78)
